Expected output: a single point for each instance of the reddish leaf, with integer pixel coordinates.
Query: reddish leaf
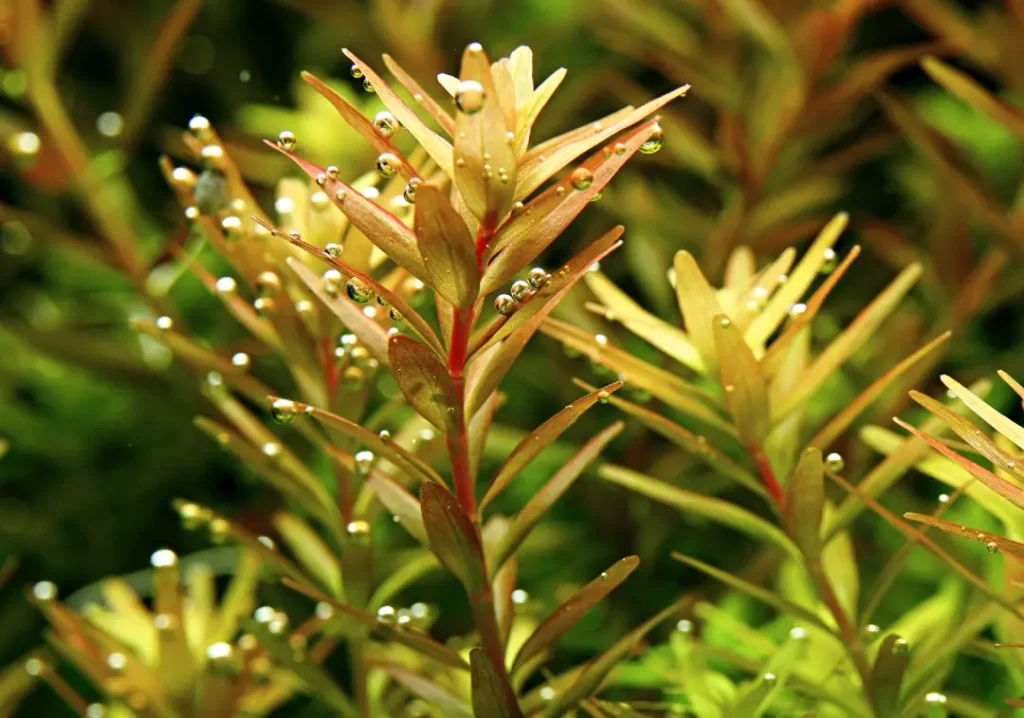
(447, 247)
(492, 695)
(400, 503)
(427, 102)
(746, 394)
(887, 675)
(424, 380)
(452, 537)
(1014, 549)
(805, 502)
(566, 615)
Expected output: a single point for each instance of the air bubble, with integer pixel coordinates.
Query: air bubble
(385, 123)
(357, 291)
(505, 304)
(358, 532)
(470, 96)
(387, 165)
(538, 277)
(364, 461)
(333, 250)
(835, 463)
(581, 178)
(226, 285)
(654, 141)
(284, 411)
(331, 281)
(520, 290)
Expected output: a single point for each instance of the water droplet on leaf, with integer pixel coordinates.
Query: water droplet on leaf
(469, 96)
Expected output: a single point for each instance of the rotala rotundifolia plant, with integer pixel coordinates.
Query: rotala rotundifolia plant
(395, 271)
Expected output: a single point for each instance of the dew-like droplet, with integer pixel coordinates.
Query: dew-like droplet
(797, 633)
(386, 614)
(935, 698)
(268, 283)
(183, 178)
(34, 667)
(835, 462)
(601, 340)
(284, 411)
(358, 532)
(603, 397)
(520, 290)
(241, 360)
(384, 435)
(387, 165)
(164, 558)
(547, 693)
(409, 193)
(226, 285)
(199, 126)
(164, 322)
(232, 227)
(654, 141)
(319, 201)
(469, 96)
(272, 449)
(44, 591)
(505, 304)
(385, 123)
(364, 461)
(900, 646)
(110, 124)
(368, 86)
(581, 178)
(324, 611)
(992, 547)
(331, 281)
(219, 529)
(333, 249)
(220, 658)
(684, 626)
(357, 73)
(830, 261)
(116, 661)
(95, 710)
(267, 543)
(520, 597)
(770, 679)
(357, 291)
(518, 207)
(538, 277)
(396, 316)
(943, 498)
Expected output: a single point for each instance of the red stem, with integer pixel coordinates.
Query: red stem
(768, 478)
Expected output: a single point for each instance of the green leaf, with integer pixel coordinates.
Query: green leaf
(492, 694)
(424, 381)
(770, 598)
(550, 492)
(435, 145)
(485, 164)
(526, 234)
(452, 536)
(386, 231)
(572, 609)
(698, 305)
(887, 676)
(540, 438)
(746, 394)
(968, 90)
(594, 672)
(1007, 427)
(447, 248)
(709, 507)
(851, 339)
(547, 158)
(427, 688)
(805, 502)
(668, 338)
(310, 551)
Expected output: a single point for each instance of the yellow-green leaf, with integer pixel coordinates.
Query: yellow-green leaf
(698, 305)
(805, 502)
(424, 380)
(447, 248)
(311, 552)
(1005, 426)
(746, 395)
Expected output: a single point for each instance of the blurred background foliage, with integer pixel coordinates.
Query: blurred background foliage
(799, 109)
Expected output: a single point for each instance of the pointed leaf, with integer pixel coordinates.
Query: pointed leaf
(666, 337)
(452, 536)
(698, 305)
(424, 381)
(386, 231)
(1004, 545)
(851, 339)
(428, 689)
(492, 694)
(358, 121)
(887, 676)
(400, 503)
(594, 672)
(968, 90)
(447, 248)
(310, 551)
(528, 233)
(746, 395)
(770, 598)
(551, 491)
(1007, 427)
(709, 507)
(486, 185)
(436, 146)
(544, 160)
(436, 112)
(540, 438)
(534, 105)
(570, 611)
(805, 502)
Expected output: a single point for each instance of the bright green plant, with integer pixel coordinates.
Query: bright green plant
(460, 218)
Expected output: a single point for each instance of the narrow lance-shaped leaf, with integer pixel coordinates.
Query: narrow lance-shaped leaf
(416, 640)
(805, 502)
(381, 227)
(424, 381)
(1005, 426)
(373, 336)
(570, 611)
(1012, 383)
(546, 159)
(710, 507)
(447, 248)
(666, 337)
(698, 305)
(358, 121)
(967, 431)
(530, 232)
(746, 395)
(402, 505)
(594, 673)
(993, 542)
(1001, 486)
(436, 112)
(553, 489)
(968, 90)
(416, 323)
(435, 145)
(540, 438)
(770, 598)
(492, 694)
(841, 421)
(887, 676)
(310, 551)
(485, 164)
(851, 339)
(452, 536)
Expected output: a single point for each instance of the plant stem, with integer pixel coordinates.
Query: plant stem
(768, 477)
(849, 633)
(487, 626)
